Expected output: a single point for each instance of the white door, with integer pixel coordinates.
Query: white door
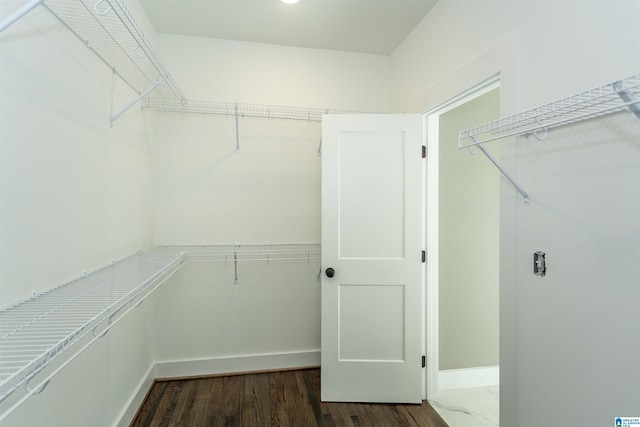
(372, 242)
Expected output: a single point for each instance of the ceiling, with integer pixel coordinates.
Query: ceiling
(367, 26)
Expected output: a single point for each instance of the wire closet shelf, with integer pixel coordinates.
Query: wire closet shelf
(108, 29)
(620, 95)
(41, 335)
(240, 109)
(256, 264)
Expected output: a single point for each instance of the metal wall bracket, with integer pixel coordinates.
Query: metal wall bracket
(521, 190)
(624, 95)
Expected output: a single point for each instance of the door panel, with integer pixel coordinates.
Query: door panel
(372, 238)
(380, 234)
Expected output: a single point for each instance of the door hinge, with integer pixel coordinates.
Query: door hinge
(424, 256)
(424, 361)
(424, 151)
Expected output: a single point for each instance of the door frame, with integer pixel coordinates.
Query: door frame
(431, 388)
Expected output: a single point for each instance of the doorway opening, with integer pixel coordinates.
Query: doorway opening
(462, 234)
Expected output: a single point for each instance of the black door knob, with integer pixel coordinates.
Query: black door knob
(330, 272)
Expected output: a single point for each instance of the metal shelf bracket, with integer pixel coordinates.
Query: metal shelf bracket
(628, 99)
(517, 186)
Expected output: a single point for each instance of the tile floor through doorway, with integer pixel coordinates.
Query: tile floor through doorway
(475, 407)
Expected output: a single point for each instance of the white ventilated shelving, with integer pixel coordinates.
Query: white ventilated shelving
(41, 335)
(108, 29)
(256, 264)
(620, 95)
(241, 110)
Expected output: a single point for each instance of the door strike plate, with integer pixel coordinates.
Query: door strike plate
(539, 264)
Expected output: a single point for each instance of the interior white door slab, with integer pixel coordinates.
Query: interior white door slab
(372, 243)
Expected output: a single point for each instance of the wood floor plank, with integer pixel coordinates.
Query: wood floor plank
(184, 405)
(256, 404)
(282, 399)
(278, 410)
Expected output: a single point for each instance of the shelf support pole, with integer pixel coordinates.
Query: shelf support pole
(9, 20)
(135, 101)
(237, 130)
(521, 190)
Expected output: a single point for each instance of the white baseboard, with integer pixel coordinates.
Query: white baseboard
(452, 379)
(233, 364)
(126, 416)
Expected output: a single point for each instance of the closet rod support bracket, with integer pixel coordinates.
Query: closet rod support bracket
(504, 173)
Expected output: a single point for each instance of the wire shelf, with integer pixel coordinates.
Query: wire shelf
(36, 332)
(256, 264)
(621, 95)
(108, 28)
(241, 110)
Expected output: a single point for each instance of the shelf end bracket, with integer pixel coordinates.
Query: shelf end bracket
(517, 186)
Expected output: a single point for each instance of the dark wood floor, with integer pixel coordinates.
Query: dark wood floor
(289, 398)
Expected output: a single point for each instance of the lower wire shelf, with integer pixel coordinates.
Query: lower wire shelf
(41, 335)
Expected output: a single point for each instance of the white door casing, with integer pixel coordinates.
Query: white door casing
(372, 238)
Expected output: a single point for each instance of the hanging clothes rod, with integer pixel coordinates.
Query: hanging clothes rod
(620, 95)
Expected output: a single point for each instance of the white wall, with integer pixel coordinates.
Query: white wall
(209, 193)
(267, 192)
(546, 51)
(208, 323)
(233, 71)
(75, 194)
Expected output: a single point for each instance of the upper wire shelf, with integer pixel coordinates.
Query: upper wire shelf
(64, 321)
(255, 264)
(108, 29)
(268, 253)
(617, 96)
(240, 109)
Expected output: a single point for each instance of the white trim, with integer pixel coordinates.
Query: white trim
(234, 364)
(432, 120)
(480, 89)
(453, 379)
(127, 414)
(432, 299)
